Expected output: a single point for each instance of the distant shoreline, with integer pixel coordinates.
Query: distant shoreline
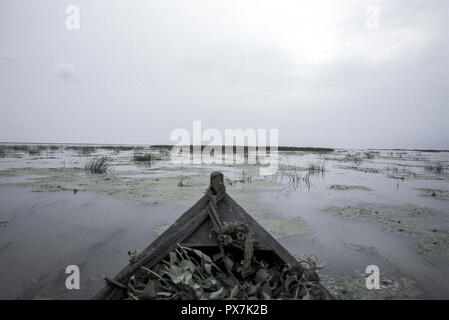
(169, 146)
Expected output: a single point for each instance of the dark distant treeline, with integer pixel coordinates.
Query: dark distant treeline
(249, 148)
(417, 150)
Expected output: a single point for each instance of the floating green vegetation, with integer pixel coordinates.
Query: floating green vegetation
(353, 287)
(437, 194)
(284, 227)
(341, 187)
(361, 169)
(144, 189)
(407, 220)
(188, 273)
(52, 172)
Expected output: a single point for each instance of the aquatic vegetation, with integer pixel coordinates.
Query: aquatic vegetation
(353, 287)
(97, 165)
(253, 149)
(317, 167)
(82, 150)
(406, 220)
(117, 148)
(246, 176)
(19, 147)
(435, 168)
(14, 151)
(437, 194)
(306, 180)
(293, 176)
(163, 154)
(340, 187)
(424, 232)
(294, 179)
(188, 273)
(361, 169)
(398, 172)
(356, 158)
(149, 158)
(370, 155)
(55, 148)
(34, 152)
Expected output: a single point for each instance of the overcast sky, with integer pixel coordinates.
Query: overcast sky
(136, 70)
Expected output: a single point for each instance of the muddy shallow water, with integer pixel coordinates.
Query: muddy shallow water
(377, 207)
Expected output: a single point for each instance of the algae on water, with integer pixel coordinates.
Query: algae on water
(407, 220)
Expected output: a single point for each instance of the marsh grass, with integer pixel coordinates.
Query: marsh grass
(55, 148)
(82, 150)
(86, 151)
(435, 168)
(355, 158)
(369, 155)
(296, 180)
(18, 148)
(7, 151)
(306, 180)
(97, 165)
(293, 177)
(317, 167)
(117, 149)
(149, 158)
(246, 176)
(146, 157)
(34, 152)
(164, 154)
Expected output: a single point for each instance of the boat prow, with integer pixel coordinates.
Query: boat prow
(193, 229)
